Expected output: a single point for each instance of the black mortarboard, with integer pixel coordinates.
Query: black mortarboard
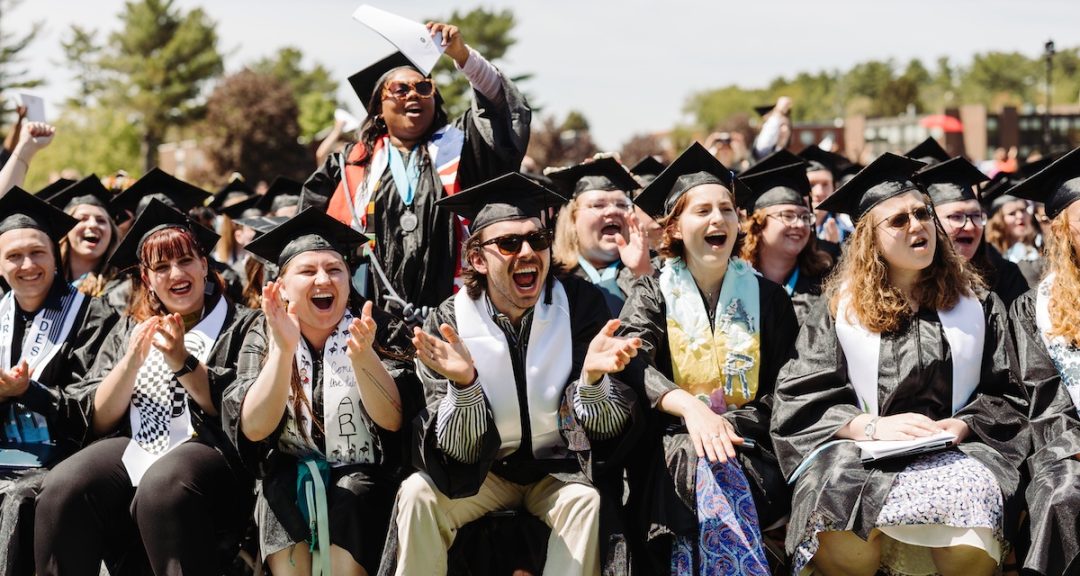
(282, 193)
(156, 216)
(648, 166)
(22, 210)
(234, 191)
(511, 196)
(694, 167)
(89, 190)
(166, 188)
(818, 159)
(763, 110)
(599, 174)
(888, 176)
(783, 185)
(1057, 186)
(928, 152)
(52, 188)
(995, 194)
(778, 159)
(365, 81)
(309, 230)
(950, 181)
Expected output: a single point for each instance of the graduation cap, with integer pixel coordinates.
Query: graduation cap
(1057, 186)
(694, 167)
(928, 152)
(157, 216)
(888, 176)
(89, 190)
(511, 196)
(234, 191)
(779, 159)
(782, 185)
(22, 210)
(309, 230)
(282, 193)
(164, 187)
(52, 188)
(818, 159)
(995, 194)
(600, 174)
(763, 110)
(950, 181)
(648, 166)
(365, 81)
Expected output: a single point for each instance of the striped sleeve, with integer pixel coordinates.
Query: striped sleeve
(600, 409)
(462, 422)
(484, 76)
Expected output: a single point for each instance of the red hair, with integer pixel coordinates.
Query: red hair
(165, 244)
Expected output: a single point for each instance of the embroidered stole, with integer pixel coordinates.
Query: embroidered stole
(965, 331)
(159, 415)
(718, 365)
(1066, 358)
(45, 336)
(547, 370)
(349, 436)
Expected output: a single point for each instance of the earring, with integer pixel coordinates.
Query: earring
(379, 122)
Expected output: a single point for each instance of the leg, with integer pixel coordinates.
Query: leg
(962, 561)
(359, 519)
(428, 520)
(193, 487)
(18, 490)
(82, 511)
(343, 564)
(844, 553)
(573, 513)
(293, 561)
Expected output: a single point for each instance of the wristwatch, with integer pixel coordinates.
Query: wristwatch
(190, 364)
(871, 428)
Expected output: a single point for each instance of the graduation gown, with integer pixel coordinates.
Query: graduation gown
(807, 294)
(598, 463)
(1003, 277)
(662, 475)
(814, 399)
(277, 470)
(1053, 495)
(420, 264)
(615, 293)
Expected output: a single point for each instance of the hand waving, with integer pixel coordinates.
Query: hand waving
(447, 355)
(608, 353)
(453, 44)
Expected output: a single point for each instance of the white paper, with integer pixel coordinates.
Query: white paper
(349, 122)
(410, 37)
(877, 449)
(35, 107)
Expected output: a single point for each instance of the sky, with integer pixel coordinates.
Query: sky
(628, 65)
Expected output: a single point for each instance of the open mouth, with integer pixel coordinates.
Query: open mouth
(920, 243)
(526, 277)
(414, 110)
(323, 301)
(716, 240)
(965, 240)
(611, 229)
(181, 289)
(32, 277)
(91, 238)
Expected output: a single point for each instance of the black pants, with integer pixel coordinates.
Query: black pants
(88, 512)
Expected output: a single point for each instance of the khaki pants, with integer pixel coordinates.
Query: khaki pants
(428, 521)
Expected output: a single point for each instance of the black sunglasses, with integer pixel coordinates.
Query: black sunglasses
(511, 243)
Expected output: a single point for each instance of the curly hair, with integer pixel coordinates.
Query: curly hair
(878, 305)
(1065, 291)
(672, 247)
(811, 258)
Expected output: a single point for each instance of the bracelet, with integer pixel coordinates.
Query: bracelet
(190, 364)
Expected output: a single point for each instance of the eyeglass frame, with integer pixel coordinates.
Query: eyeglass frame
(546, 235)
(906, 224)
(978, 219)
(784, 216)
(412, 88)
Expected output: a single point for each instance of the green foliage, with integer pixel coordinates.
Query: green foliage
(100, 141)
(315, 89)
(13, 75)
(82, 54)
(491, 34)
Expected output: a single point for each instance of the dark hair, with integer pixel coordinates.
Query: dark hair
(165, 244)
(474, 281)
(374, 127)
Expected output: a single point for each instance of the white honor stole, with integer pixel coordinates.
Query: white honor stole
(347, 430)
(547, 369)
(965, 330)
(45, 337)
(159, 414)
(1066, 358)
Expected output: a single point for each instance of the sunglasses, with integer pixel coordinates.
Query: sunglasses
(902, 220)
(399, 89)
(511, 244)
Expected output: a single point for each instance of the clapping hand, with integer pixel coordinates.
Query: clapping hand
(169, 339)
(447, 355)
(14, 382)
(280, 318)
(362, 335)
(608, 353)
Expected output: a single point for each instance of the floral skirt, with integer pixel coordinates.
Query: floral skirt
(729, 538)
(940, 500)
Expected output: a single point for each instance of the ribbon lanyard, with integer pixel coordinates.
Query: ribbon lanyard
(790, 285)
(610, 272)
(406, 178)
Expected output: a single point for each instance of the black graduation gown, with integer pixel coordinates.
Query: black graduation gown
(277, 470)
(814, 399)
(597, 463)
(420, 264)
(52, 395)
(614, 295)
(1053, 495)
(1003, 277)
(662, 476)
(807, 294)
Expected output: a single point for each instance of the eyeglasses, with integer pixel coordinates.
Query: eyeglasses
(399, 89)
(793, 219)
(511, 244)
(603, 206)
(902, 220)
(960, 219)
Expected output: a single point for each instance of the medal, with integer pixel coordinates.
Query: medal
(408, 221)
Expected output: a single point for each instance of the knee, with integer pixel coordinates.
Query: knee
(846, 553)
(416, 495)
(581, 501)
(160, 497)
(64, 484)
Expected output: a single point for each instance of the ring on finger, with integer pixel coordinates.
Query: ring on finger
(714, 436)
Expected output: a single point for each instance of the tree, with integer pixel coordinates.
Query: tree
(158, 65)
(251, 127)
(490, 33)
(98, 140)
(639, 146)
(564, 143)
(314, 88)
(12, 74)
(997, 78)
(82, 54)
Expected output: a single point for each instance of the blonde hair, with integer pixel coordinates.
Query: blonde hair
(1065, 291)
(879, 306)
(564, 251)
(997, 234)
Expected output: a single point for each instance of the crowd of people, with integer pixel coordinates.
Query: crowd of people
(662, 369)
